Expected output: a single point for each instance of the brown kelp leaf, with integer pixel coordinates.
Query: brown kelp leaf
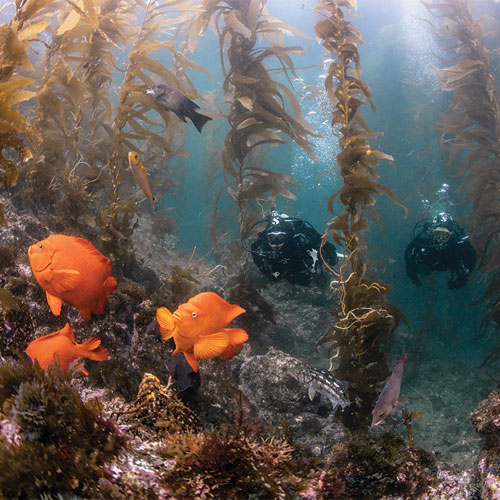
(32, 30)
(71, 21)
(246, 102)
(258, 188)
(235, 24)
(91, 13)
(12, 52)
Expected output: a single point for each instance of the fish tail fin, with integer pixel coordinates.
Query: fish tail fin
(108, 286)
(236, 336)
(166, 321)
(92, 349)
(198, 119)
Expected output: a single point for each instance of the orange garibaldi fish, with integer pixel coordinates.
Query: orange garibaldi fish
(197, 327)
(72, 270)
(61, 346)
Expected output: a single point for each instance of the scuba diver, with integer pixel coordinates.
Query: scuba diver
(289, 248)
(441, 245)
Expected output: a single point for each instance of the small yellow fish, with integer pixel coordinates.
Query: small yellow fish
(140, 175)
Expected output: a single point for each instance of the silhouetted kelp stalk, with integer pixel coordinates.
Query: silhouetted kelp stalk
(471, 132)
(257, 104)
(16, 133)
(366, 317)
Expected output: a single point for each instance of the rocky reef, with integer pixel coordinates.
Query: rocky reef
(253, 430)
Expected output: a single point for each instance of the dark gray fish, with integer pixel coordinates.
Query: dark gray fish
(173, 99)
(187, 380)
(389, 396)
(324, 383)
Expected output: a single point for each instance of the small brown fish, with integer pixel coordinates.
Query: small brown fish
(140, 175)
(173, 99)
(389, 396)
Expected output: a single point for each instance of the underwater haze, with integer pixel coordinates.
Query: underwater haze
(158, 136)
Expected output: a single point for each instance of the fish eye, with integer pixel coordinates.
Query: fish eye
(135, 156)
(41, 247)
(194, 315)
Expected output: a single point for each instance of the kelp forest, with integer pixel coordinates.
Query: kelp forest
(249, 249)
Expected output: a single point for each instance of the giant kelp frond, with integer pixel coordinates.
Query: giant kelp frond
(260, 107)
(134, 127)
(471, 130)
(15, 132)
(74, 108)
(366, 318)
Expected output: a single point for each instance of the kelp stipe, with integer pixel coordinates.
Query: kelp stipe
(471, 133)
(257, 111)
(366, 317)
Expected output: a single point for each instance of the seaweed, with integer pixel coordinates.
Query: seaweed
(257, 104)
(158, 406)
(55, 444)
(471, 133)
(408, 418)
(17, 136)
(240, 464)
(366, 317)
(133, 129)
(375, 466)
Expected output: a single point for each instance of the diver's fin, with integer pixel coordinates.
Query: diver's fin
(55, 303)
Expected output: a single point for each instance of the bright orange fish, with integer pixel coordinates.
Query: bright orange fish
(198, 328)
(140, 175)
(72, 270)
(61, 346)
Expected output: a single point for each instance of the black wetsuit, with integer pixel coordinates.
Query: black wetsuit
(298, 260)
(456, 255)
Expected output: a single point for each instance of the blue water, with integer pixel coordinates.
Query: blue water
(444, 344)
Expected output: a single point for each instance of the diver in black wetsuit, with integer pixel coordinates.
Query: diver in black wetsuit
(289, 248)
(441, 245)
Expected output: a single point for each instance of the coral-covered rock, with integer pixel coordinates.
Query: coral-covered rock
(486, 418)
(489, 470)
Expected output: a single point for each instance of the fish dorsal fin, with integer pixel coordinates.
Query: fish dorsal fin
(219, 307)
(209, 346)
(166, 321)
(64, 280)
(55, 303)
(67, 331)
(92, 250)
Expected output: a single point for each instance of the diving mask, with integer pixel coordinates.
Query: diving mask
(441, 235)
(276, 239)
